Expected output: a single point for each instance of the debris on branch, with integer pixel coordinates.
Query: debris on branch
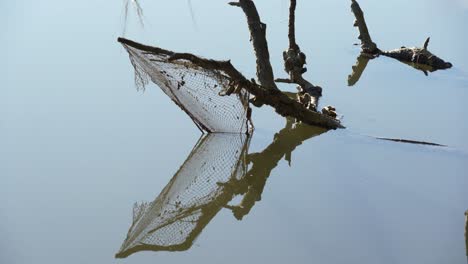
(258, 37)
(195, 85)
(162, 66)
(419, 58)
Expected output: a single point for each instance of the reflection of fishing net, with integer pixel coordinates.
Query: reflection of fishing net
(194, 89)
(193, 196)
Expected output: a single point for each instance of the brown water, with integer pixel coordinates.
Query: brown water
(79, 146)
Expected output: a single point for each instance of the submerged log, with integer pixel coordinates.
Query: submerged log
(258, 36)
(418, 56)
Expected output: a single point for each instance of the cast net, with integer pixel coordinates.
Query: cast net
(191, 199)
(194, 89)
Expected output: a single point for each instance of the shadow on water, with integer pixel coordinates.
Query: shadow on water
(218, 169)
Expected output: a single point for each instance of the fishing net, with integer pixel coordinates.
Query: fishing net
(194, 89)
(191, 199)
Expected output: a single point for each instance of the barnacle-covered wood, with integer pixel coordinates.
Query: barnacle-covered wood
(282, 104)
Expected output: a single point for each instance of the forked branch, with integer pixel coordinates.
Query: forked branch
(282, 104)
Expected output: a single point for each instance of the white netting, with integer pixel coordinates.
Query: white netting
(191, 198)
(194, 89)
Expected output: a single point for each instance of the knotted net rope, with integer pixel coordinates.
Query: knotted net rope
(194, 89)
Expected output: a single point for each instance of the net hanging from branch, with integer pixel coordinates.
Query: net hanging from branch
(191, 199)
(197, 91)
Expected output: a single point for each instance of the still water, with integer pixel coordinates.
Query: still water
(79, 146)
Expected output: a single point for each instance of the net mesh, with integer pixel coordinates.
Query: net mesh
(193, 196)
(194, 89)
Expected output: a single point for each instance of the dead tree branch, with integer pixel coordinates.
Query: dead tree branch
(258, 36)
(282, 104)
(419, 58)
(366, 41)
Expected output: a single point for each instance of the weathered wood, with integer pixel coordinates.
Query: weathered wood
(294, 61)
(282, 104)
(415, 57)
(367, 44)
(258, 36)
(292, 26)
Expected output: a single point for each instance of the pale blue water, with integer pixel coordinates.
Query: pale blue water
(78, 144)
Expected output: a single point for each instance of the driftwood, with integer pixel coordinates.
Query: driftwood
(282, 104)
(266, 92)
(419, 58)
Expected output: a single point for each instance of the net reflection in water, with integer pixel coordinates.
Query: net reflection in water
(191, 199)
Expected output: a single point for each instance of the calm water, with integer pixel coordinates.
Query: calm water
(79, 146)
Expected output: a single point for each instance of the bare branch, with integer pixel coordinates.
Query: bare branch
(292, 29)
(426, 43)
(258, 36)
(366, 42)
(294, 61)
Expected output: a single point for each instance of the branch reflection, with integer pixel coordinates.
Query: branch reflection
(217, 170)
(363, 59)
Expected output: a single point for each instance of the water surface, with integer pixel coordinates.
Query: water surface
(79, 146)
